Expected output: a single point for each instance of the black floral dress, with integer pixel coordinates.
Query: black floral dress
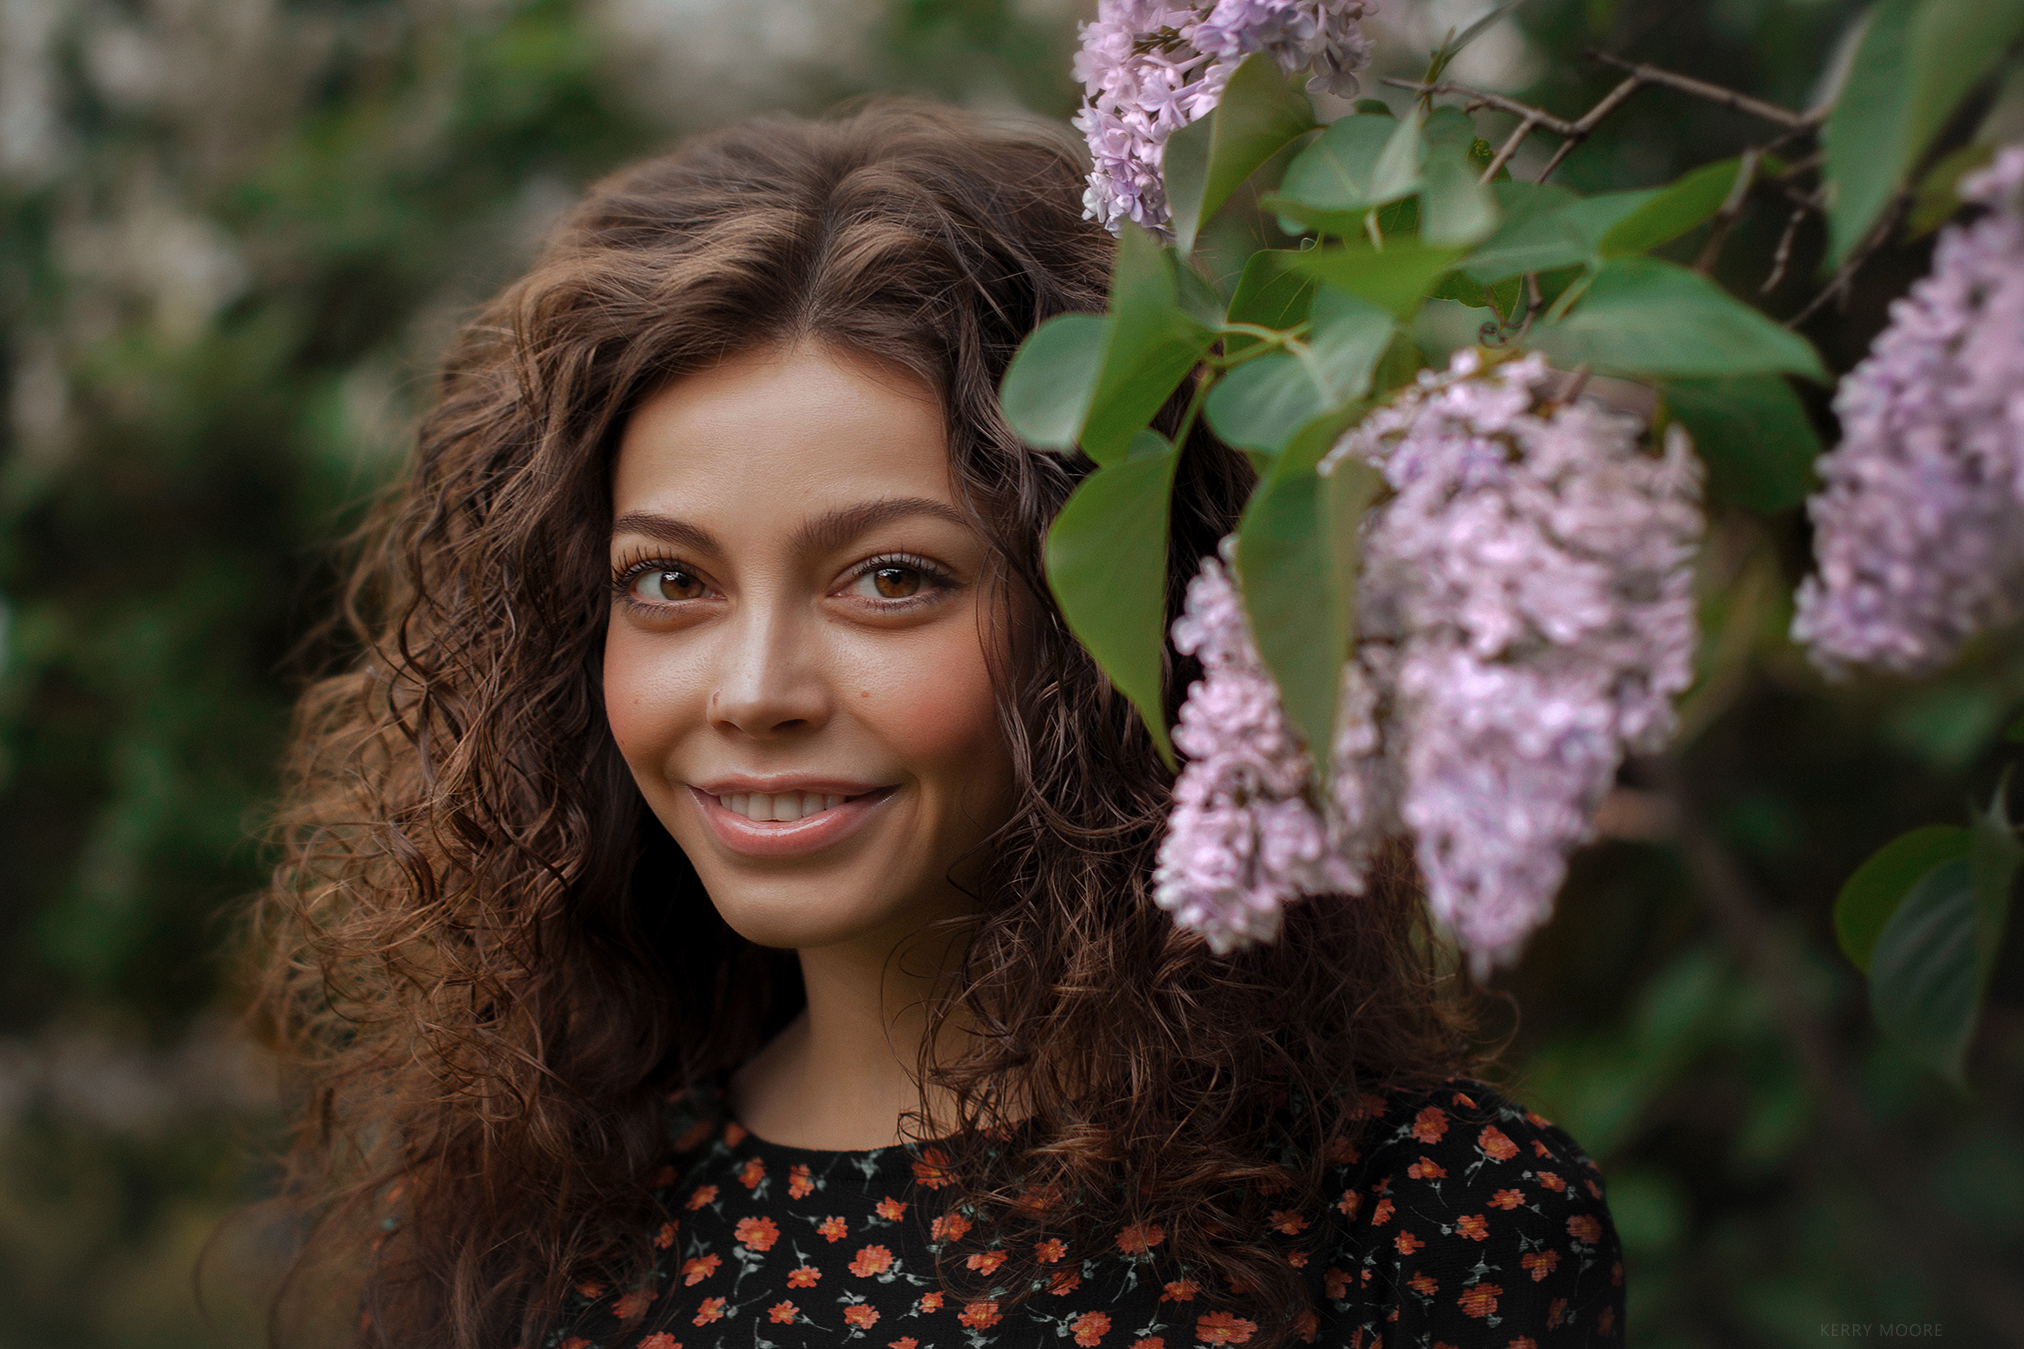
(1461, 1221)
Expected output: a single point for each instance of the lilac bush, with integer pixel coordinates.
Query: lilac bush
(1149, 68)
(1919, 524)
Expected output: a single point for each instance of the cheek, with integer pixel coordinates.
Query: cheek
(641, 695)
(934, 704)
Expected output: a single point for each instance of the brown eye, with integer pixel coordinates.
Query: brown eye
(664, 587)
(892, 581)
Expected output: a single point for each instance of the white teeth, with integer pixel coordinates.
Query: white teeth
(784, 807)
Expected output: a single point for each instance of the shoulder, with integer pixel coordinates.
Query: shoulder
(1457, 1208)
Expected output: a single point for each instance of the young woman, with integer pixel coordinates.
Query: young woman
(717, 902)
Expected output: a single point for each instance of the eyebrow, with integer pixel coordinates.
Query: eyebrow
(825, 533)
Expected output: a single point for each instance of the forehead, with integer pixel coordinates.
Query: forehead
(779, 430)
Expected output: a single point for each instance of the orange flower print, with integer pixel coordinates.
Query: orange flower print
(1426, 1168)
(1050, 1251)
(805, 1277)
(1407, 1243)
(1539, 1149)
(1308, 1327)
(1463, 1101)
(1523, 1342)
(693, 1137)
(1064, 1282)
(1556, 1313)
(1616, 1275)
(979, 1316)
(1350, 1202)
(931, 1302)
(1605, 1321)
(1540, 1263)
(1224, 1328)
(576, 1342)
(1335, 1284)
(734, 1134)
(665, 1237)
(799, 1183)
(1551, 1181)
(1297, 1259)
(1340, 1152)
(1382, 1214)
(1584, 1228)
(1430, 1124)
(705, 1194)
(758, 1233)
(711, 1310)
(1150, 1342)
(1423, 1283)
(1507, 1199)
(871, 1260)
(699, 1268)
(1537, 1120)
(633, 1304)
(1493, 1141)
(905, 1342)
(832, 1229)
(660, 1341)
(1367, 1106)
(949, 1227)
(1472, 1226)
(1140, 1238)
(860, 1317)
(782, 1313)
(1288, 1222)
(1479, 1299)
(985, 1262)
(931, 1170)
(1180, 1290)
(750, 1174)
(1594, 1190)
(590, 1289)
(891, 1209)
(1089, 1328)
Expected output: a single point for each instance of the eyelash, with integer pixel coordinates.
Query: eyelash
(936, 577)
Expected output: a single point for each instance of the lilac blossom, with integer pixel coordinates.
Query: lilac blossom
(1529, 582)
(1149, 68)
(1244, 838)
(1919, 526)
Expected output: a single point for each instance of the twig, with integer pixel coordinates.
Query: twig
(1732, 206)
(1838, 284)
(1783, 253)
(1526, 124)
(1714, 93)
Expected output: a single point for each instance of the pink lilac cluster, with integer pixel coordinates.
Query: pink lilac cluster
(1527, 603)
(1149, 68)
(1244, 837)
(1919, 525)
(1526, 617)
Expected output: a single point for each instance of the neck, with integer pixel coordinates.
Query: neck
(843, 1074)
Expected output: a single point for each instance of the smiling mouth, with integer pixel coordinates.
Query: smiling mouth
(782, 807)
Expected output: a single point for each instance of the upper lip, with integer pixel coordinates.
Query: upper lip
(776, 784)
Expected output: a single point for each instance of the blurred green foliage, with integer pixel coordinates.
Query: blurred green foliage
(235, 236)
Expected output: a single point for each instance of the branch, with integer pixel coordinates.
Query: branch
(1732, 206)
(1838, 284)
(1715, 93)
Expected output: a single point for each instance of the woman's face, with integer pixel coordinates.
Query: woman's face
(796, 667)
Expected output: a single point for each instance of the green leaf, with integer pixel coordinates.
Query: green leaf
(1689, 201)
(1937, 199)
(1645, 317)
(1047, 389)
(1870, 896)
(1396, 279)
(1262, 403)
(1355, 164)
(1271, 293)
(1993, 859)
(1531, 238)
(2015, 734)
(1754, 435)
(1153, 345)
(1592, 218)
(1455, 209)
(1107, 564)
(1915, 63)
(1258, 115)
(1288, 569)
(1923, 988)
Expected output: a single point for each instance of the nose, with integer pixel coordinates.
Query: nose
(769, 680)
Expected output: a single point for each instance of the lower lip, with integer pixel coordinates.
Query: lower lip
(788, 838)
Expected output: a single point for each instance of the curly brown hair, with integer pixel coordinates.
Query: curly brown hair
(491, 964)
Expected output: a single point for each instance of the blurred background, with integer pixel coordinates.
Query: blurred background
(236, 234)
